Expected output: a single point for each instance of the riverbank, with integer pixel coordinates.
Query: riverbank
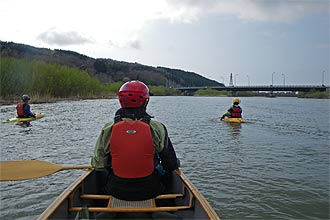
(315, 95)
(49, 99)
(36, 99)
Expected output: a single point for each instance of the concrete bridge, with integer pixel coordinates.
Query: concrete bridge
(270, 88)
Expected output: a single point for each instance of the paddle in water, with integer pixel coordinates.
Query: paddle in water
(30, 169)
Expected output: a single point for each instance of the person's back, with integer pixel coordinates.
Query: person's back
(235, 111)
(23, 108)
(132, 146)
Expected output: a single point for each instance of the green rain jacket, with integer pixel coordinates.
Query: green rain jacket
(229, 111)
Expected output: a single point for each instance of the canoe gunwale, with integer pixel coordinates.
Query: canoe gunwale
(63, 196)
(198, 196)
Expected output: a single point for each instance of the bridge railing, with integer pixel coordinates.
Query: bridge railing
(255, 86)
(260, 88)
(278, 86)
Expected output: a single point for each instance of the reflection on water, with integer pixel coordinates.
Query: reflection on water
(235, 129)
(274, 166)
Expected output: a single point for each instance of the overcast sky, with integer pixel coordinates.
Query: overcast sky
(256, 40)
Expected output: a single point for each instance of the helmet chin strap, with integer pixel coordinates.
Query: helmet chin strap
(145, 104)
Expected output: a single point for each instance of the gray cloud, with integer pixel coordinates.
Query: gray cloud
(62, 38)
(135, 44)
(276, 11)
(193, 3)
(252, 10)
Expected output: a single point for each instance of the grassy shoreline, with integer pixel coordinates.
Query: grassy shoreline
(49, 99)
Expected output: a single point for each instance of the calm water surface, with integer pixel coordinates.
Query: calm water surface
(275, 166)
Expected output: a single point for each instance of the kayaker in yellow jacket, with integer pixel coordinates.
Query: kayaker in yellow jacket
(134, 152)
(235, 111)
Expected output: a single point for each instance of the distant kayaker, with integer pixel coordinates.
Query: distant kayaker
(235, 111)
(133, 151)
(23, 108)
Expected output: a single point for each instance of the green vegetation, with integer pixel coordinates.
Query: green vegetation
(315, 95)
(211, 92)
(246, 93)
(48, 82)
(163, 91)
(112, 87)
(38, 78)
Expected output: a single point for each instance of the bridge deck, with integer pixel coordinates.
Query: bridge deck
(292, 88)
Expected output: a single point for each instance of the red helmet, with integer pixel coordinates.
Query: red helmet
(133, 94)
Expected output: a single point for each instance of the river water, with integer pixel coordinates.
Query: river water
(274, 166)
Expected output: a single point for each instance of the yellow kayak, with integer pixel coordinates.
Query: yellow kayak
(38, 116)
(234, 120)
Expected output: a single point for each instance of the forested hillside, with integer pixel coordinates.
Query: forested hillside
(106, 70)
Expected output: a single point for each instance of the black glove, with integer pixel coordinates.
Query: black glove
(222, 117)
(34, 116)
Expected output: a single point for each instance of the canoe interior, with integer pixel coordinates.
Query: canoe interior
(182, 201)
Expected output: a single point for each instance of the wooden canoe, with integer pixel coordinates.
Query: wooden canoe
(183, 202)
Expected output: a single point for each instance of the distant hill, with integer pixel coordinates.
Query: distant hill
(107, 70)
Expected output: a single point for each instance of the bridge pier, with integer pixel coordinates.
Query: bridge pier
(233, 93)
(271, 94)
(189, 92)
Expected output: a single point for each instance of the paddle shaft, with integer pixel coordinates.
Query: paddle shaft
(76, 167)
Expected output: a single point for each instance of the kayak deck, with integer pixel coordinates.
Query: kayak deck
(38, 116)
(234, 120)
(183, 201)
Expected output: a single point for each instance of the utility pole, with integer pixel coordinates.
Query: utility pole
(235, 79)
(248, 80)
(271, 92)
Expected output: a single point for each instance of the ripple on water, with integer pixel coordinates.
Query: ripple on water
(274, 166)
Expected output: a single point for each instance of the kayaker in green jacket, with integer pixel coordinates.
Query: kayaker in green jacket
(235, 111)
(134, 152)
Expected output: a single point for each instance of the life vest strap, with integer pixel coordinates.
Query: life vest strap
(145, 119)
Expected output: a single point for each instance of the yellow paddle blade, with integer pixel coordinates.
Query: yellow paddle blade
(30, 169)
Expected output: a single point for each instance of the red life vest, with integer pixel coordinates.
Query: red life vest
(236, 112)
(20, 109)
(132, 149)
